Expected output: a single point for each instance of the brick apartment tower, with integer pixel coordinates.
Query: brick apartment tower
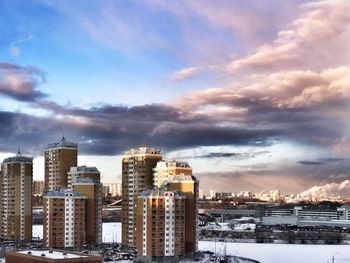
(59, 158)
(86, 180)
(189, 186)
(64, 219)
(137, 165)
(16, 198)
(161, 225)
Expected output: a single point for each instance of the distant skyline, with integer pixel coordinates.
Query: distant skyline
(253, 94)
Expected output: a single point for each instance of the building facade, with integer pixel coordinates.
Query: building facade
(16, 198)
(114, 189)
(166, 170)
(137, 175)
(86, 180)
(38, 187)
(189, 186)
(59, 158)
(83, 172)
(160, 224)
(64, 219)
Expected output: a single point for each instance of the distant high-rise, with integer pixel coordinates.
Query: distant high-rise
(16, 198)
(59, 158)
(38, 188)
(86, 180)
(114, 189)
(160, 225)
(212, 194)
(166, 170)
(137, 175)
(64, 219)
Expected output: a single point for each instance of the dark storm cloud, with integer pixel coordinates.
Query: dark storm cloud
(321, 161)
(113, 129)
(20, 83)
(109, 130)
(255, 120)
(218, 155)
(28, 132)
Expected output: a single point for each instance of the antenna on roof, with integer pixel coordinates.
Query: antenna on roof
(19, 151)
(63, 138)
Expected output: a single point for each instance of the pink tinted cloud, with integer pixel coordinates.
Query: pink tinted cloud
(313, 40)
(284, 89)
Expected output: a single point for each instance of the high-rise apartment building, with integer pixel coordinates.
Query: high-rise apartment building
(189, 186)
(114, 189)
(64, 219)
(86, 180)
(38, 188)
(160, 225)
(137, 175)
(59, 158)
(83, 172)
(166, 170)
(16, 198)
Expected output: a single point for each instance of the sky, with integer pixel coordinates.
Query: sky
(253, 94)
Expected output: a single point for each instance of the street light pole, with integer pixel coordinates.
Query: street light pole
(333, 256)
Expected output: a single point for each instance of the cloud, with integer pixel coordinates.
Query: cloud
(321, 161)
(20, 83)
(329, 190)
(308, 42)
(109, 130)
(314, 40)
(218, 155)
(186, 73)
(15, 51)
(186, 30)
(308, 106)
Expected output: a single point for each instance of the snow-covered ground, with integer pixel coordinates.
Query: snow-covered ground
(280, 253)
(265, 253)
(111, 232)
(226, 226)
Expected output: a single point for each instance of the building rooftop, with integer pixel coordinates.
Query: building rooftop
(160, 193)
(63, 143)
(64, 193)
(143, 151)
(52, 254)
(173, 163)
(181, 178)
(18, 159)
(83, 169)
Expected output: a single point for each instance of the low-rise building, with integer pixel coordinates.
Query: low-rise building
(49, 256)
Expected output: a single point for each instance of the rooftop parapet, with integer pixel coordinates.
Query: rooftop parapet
(63, 143)
(143, 151)
(18, 159)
